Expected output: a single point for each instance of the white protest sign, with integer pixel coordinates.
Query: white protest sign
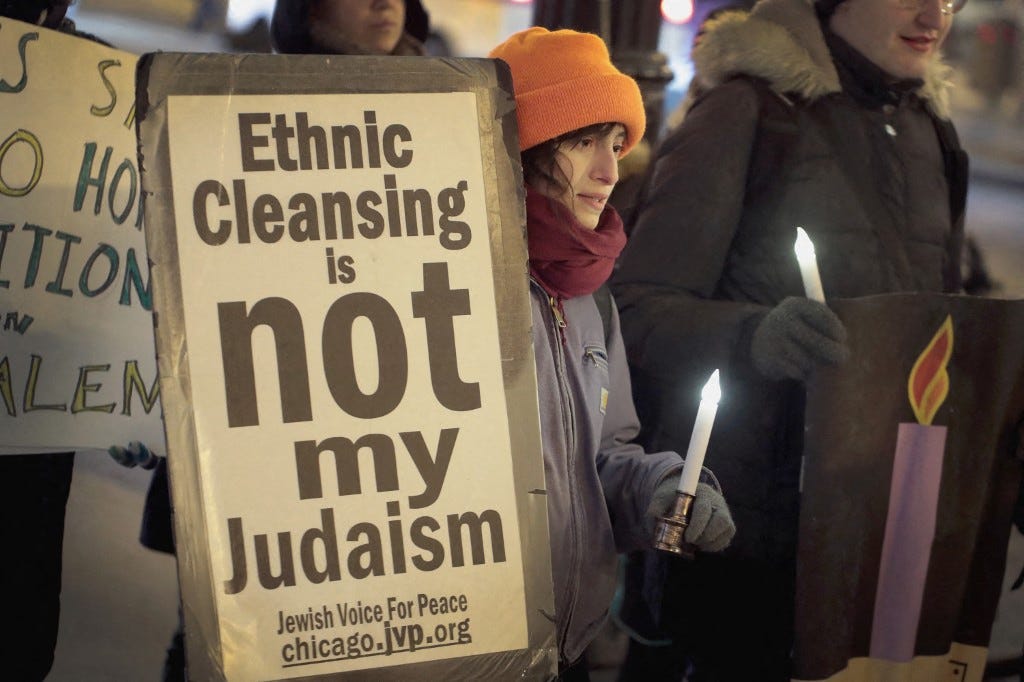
(77, 366)
(345, 407)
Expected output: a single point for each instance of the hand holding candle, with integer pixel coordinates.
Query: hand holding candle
(668, 535)
(808, 266)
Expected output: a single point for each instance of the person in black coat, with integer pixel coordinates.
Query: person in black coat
(831, 116)
(34, 493)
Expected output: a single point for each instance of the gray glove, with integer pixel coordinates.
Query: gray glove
(796, 336)
(711, 526)
(663, 497)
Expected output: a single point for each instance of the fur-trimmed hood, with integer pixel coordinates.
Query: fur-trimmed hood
(781, 42)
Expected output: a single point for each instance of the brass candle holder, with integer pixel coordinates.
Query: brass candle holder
(668, 534)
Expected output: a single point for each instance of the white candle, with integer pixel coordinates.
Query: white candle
(808, 266)
(709, 398)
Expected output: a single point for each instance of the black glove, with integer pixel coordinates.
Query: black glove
(711, 526)
(796, 336)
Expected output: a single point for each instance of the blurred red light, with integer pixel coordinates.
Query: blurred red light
(987, 34)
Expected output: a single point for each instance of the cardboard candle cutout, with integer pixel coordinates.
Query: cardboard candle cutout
(913, 504)
(912, 466)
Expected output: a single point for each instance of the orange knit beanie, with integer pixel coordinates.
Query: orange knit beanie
(565, 80)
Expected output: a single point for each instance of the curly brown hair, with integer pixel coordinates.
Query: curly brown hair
(540, 163)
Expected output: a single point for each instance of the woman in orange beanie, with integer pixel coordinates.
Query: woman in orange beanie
(578, 115)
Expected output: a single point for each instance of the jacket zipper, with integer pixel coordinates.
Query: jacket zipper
(559, 317)
(569, 425)
(596, 356)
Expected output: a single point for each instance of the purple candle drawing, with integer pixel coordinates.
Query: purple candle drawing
(913, 505)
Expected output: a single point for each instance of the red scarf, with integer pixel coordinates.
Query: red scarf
(566, 258)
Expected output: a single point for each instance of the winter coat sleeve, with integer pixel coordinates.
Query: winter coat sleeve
(628, 474)
(669, 277)
(957, 175)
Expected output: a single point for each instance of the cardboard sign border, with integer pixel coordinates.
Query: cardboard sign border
(163, 75)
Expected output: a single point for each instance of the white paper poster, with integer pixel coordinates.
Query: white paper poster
(77, 366)
(337, 346)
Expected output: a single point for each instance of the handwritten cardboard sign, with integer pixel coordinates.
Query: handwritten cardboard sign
(77, 366)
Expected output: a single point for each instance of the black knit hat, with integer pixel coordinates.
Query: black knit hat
(30, 10)
(289, 26)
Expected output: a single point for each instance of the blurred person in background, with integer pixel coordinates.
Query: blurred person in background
(831, 115)
(697, 86)
(352, 27)
(636, 171)
(47, 13)
(33, 493)
(577, 116)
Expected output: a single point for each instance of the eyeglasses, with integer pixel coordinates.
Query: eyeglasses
(947, 7)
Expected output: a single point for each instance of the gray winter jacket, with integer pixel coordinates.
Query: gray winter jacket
(786, 135)
(599, 483)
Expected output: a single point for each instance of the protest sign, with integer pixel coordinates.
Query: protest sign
(912, 463)
(77, 367)
(343, 336)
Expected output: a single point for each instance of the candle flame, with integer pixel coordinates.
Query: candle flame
(803, 247)
(712, 390)
(928, 384)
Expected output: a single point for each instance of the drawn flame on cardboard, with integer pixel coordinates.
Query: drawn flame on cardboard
(928, 384)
